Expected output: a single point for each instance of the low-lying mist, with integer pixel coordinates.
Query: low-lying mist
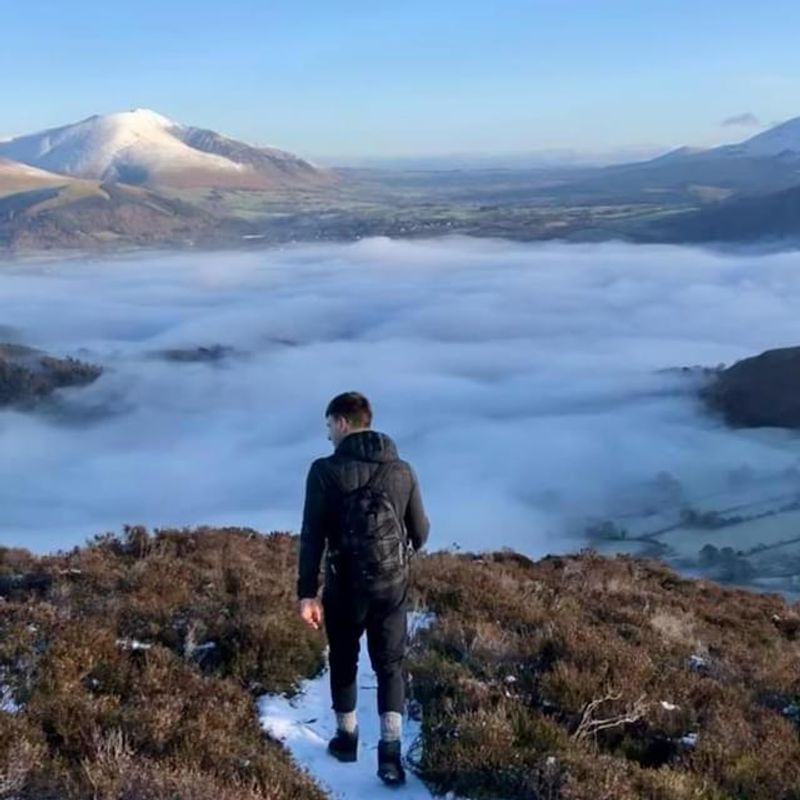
(523, 382)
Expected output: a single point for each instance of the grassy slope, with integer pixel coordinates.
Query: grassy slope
(522, 663)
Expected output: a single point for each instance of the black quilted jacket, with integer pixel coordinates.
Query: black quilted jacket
(357, 456)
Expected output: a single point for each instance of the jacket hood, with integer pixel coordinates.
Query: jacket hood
(368, 446)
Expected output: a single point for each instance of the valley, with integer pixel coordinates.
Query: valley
(138, 179)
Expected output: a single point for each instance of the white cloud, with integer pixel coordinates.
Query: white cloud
(520, 380)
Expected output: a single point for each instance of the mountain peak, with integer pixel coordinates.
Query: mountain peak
(142, 146)
(776, 140)
(148, 113)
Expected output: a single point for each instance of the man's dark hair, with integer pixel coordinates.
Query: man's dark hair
(353, 406)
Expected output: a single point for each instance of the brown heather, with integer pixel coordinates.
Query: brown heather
(102, 718)
(565, 679)
(578, 678)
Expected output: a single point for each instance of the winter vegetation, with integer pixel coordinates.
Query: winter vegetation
(130, 669)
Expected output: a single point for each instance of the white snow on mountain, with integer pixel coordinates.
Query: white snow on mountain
(100, 146)
(774, 141)
(142, 146)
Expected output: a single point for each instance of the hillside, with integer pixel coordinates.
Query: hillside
(760, 391)
(765, 163)
(17, 177)
(771, 218)
(128, 668)
(777, 140)
(89, 214)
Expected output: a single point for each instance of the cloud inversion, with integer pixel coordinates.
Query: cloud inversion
(522, 381)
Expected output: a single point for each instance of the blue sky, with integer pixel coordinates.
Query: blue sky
(346, 77)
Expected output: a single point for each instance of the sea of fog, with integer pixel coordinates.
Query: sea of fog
(524, 382)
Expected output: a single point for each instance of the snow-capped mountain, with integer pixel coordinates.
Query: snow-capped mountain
(767, 162)
(781, 140)
(775, 141)
(144, 147)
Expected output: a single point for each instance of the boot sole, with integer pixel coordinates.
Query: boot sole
(345, 758)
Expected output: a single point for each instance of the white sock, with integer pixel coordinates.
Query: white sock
(346, 721)
(391, 726)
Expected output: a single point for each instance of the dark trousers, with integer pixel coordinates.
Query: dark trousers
(346, 616)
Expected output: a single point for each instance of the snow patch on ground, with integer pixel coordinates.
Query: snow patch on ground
(306, 722)
(7, 702)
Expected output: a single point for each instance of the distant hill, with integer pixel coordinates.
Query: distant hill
(760, 391)
(778, 140)
(27, 375)
(142, 147)
(773, 217)
(767, 162)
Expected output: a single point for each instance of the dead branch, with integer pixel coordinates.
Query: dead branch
(590, 725)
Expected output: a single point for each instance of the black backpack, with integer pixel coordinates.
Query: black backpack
(371, 553)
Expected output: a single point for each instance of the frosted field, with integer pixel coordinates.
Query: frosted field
(522, 381)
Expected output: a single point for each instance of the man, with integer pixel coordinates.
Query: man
(362, 458)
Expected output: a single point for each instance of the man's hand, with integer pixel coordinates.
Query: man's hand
(310, 611)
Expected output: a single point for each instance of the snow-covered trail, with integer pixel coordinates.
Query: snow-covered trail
(306, 722)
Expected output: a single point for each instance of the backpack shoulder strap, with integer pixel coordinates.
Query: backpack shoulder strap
(377, 477)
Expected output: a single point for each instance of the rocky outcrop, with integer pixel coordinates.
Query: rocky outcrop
(28, 375)
(762, 391)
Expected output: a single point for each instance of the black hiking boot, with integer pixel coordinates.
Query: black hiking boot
(344, 746)
(390, 766)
